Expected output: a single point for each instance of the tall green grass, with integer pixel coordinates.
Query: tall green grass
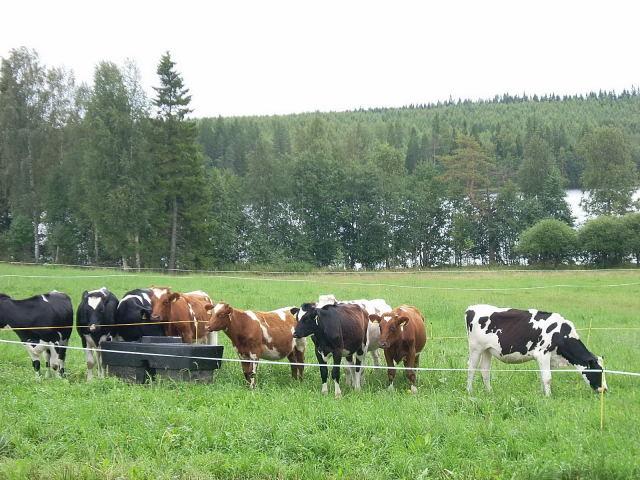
(68, 428)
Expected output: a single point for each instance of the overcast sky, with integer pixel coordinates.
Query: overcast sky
(266, 57)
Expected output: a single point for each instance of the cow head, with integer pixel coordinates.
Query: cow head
(96, 309)
(307, 318)
(219, 316)
(161, 311)
(392, 326)
(595, 378)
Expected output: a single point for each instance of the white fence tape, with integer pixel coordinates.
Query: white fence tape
(372, 367)
(329, 272)
(331, 282)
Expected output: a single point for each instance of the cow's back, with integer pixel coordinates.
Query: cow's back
(346, 324)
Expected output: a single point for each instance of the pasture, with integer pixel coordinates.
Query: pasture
(68, 428)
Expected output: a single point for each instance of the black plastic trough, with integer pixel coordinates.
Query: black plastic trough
(142, 364)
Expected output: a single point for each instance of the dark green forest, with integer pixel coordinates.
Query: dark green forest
(103, 174)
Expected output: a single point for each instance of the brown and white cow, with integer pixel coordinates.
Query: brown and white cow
(254, 335)
(402, 336)
(187, 310)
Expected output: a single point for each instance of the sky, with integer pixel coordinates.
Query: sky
(242, 57)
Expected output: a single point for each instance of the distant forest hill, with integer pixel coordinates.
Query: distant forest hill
(427, 132)
(102, 174)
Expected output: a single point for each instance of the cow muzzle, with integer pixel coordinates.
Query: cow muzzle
(93, 327)
(155, 318)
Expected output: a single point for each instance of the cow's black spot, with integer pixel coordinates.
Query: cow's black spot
(470, 315)
(482, 321)
(542, 315)
(552, 326)
(514, 331)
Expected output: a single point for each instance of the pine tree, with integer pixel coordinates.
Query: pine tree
(179, 164)
(413, 152)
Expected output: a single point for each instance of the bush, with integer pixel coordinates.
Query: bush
(631, 223)
(549, 241)
(604, 241)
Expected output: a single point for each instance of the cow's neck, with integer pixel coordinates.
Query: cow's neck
(238, 325)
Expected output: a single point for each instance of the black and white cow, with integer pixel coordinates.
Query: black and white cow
(516, 336)
(376, 306)
(336, 330)
(135, 308)
(94, 319)
(43, 323)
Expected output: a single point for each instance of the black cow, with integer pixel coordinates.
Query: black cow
(135, 308)
(337, 330)
(44, 323)
(516, 336)
(94, 319)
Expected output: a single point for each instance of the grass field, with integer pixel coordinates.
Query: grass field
(68, 428)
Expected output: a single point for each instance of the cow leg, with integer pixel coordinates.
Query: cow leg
(335, 372)
(359, 370)
(474, 358)
(294, 368)
(88, 353)
(391, 372)
(299, 352)
(56, 357)
(375, 355)
(34, 350)
(410, 361)
(249, 370)
(324, 371)
(47, 362)
(348, 374)
(485, 369)
(544, 362)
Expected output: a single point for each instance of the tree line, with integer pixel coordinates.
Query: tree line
(101, 174)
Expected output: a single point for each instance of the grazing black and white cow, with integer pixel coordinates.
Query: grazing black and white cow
(337, 330)
(43, 323)
(135, 308)
(516, 336)
(94, 321)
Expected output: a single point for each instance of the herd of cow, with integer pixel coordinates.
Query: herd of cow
(348, 329)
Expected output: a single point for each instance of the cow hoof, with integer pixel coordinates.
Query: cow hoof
(325, 389)
(413, 390)
(391, 388)
(338, 394)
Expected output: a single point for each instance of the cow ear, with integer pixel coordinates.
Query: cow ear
(375, 318)
(294, 311)
(85, 294)
(174, 296)
(208, 307)
(403, 321)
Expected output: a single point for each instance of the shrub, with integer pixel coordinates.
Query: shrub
(549, 241)
(604, 241)
(631, 223)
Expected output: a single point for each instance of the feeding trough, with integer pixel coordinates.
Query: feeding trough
(165, 357)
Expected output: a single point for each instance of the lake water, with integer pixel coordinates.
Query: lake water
(573, 198)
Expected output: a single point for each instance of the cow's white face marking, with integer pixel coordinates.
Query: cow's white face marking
(94, 301)
(45, 298)
(137, 297)
(158, 292)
